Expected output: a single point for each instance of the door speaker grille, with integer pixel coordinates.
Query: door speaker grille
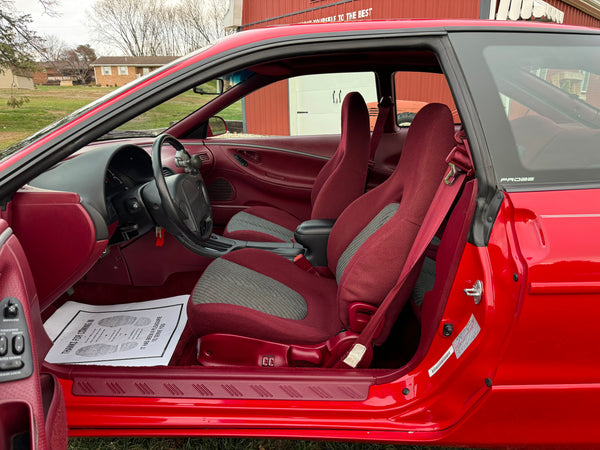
(221, 190)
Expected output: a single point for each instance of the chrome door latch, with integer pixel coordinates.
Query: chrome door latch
(476, 292)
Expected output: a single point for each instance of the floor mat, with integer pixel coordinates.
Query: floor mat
(132, 334)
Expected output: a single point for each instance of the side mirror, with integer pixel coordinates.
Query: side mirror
(212, 87)
(216, 126)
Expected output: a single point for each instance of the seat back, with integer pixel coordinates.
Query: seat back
(343, 178)
(372, 237)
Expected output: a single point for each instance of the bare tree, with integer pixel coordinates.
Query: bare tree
(133, 26)
(151, 28)
(52, 52)
(77, 62)
(201, 22)
(18, 43)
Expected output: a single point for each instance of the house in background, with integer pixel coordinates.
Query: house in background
(54, 74)
(10, 79)
(120, 70)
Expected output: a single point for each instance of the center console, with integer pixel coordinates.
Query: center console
(310, 238)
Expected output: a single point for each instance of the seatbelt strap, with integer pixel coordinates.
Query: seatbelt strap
(385, 105)
(459, 168)
(301, 261)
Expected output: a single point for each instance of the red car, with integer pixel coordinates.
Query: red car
(173, 263)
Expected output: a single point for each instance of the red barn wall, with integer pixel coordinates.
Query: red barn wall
(574, 16)
(267, 112)
(260, 13)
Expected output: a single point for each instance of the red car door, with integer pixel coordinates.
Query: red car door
(32, 411)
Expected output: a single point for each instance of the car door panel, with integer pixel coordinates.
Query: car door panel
(556, 235)
(32, 411)
(272, 171)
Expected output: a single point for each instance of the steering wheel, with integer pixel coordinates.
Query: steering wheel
(184, 197)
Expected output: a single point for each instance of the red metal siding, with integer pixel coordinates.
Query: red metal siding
(267, 110)
(260, 13)
(574, 16)
(428, 88)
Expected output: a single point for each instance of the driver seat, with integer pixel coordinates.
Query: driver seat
(260, 296)
(341, 180)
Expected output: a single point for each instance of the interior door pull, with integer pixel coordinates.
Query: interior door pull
(251, 155)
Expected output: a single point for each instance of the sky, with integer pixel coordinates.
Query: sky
(69, 25)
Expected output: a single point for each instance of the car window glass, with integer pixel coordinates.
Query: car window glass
(415, 90)
(303, 105)
(538, 102)
(552, 104)
(156, 120)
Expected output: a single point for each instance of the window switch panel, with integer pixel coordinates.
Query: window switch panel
(16, 360)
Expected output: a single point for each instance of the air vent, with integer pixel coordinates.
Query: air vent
(221, 190)
(167, 172)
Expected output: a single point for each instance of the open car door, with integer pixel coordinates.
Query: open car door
(32, 411)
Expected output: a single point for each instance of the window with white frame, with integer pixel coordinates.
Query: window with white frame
(106, 70)
(123, 70)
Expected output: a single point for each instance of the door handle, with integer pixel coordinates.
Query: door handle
(253, 156)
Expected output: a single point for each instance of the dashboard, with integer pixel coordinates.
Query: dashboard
(108, 180)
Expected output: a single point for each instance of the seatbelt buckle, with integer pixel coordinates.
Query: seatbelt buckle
(301, 261)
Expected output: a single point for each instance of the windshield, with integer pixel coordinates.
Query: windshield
(163, 116)
(541, 106)
(15, 148)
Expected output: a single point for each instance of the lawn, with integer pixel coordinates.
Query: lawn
(47, 104)
(43, 106)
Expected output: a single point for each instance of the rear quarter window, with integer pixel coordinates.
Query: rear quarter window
(538, 99)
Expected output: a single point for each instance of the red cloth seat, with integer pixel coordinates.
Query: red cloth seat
(341, 180)
(261, 295)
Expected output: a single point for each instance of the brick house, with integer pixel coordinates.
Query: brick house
(120, 70)
(53, 74)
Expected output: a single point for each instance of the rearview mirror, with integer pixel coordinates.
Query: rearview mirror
(212, 87)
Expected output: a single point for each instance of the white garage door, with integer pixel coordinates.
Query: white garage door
(316, 100)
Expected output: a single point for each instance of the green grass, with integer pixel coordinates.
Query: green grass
(47, 104)
(223, 443)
